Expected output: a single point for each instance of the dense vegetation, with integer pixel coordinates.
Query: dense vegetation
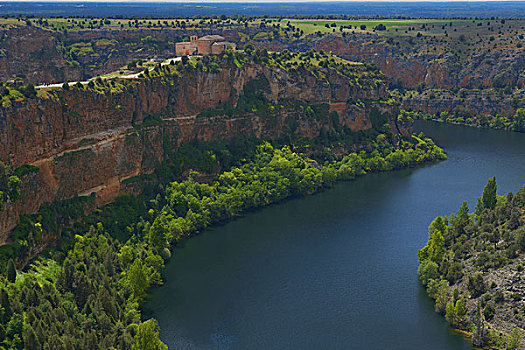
(86, 294)
(472, 266)
(515, 122)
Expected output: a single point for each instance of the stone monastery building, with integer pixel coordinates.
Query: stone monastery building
(206, 45)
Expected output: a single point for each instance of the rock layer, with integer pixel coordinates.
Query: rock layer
(85, 141)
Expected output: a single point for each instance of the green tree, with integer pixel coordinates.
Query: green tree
(489, 198)
(514, 339)
(439, 224)
(428, 270)
(157, 234)
(5, 304)
(463, 212)
(147, 337)
(461, 220)
(434, 248)
(449, 313)
(15, 326)
(476, 285)
(460, 308)
(479, 209)
(31, 341)
(518, 123)
(454, 313)
(9, 185)
(138, 278)
(11, 271)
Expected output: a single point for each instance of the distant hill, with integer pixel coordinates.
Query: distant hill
(365, 8)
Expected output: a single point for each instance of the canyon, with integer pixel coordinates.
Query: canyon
(86, 140)
(38, 55)
(64, 133)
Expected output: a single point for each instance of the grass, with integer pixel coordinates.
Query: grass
(311, 26)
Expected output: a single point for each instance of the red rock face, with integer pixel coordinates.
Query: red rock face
(84, 141)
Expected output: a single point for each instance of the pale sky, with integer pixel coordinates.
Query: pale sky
(256, 1)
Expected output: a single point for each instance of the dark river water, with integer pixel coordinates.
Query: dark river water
(336, 270)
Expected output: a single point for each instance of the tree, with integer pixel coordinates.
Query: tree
(248, 48)
(147, 337)
(454, 272)
(11, 271)
(5, 305)
(28, 90)
(454, 313)
(460, 308)
(476, 285)
(463, 212)
(434, 248)
(514, 339)
(428, 270)
(9, 185)
(439, 224)
(519, 120)
(461, 220)
(15, 326)
(449, 313)
(478, 336)
(13, 185)
(157, 234)
(489, 198)
(479, 209)
(30, 339)
(137, 277)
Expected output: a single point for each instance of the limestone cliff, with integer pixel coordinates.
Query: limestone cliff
(92, 138)
(410, 68)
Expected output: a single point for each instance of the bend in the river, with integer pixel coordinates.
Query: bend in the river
(336, 270)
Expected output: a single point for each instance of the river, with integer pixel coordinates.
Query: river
(336, 270)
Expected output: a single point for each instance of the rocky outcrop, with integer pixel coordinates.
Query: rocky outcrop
(409, 68)
(86, 140)
(43, 56)
(479, 75)
(39, 55)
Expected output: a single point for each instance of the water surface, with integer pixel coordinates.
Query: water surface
(336, 270)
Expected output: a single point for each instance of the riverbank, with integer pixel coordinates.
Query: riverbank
(104, 281)
(514, 123)
(472, 266)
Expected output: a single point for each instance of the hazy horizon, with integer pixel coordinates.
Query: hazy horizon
(260, 1)
(167, 8)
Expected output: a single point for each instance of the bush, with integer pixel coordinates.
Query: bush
(488, 312)
(476, 285)
(427, 270)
